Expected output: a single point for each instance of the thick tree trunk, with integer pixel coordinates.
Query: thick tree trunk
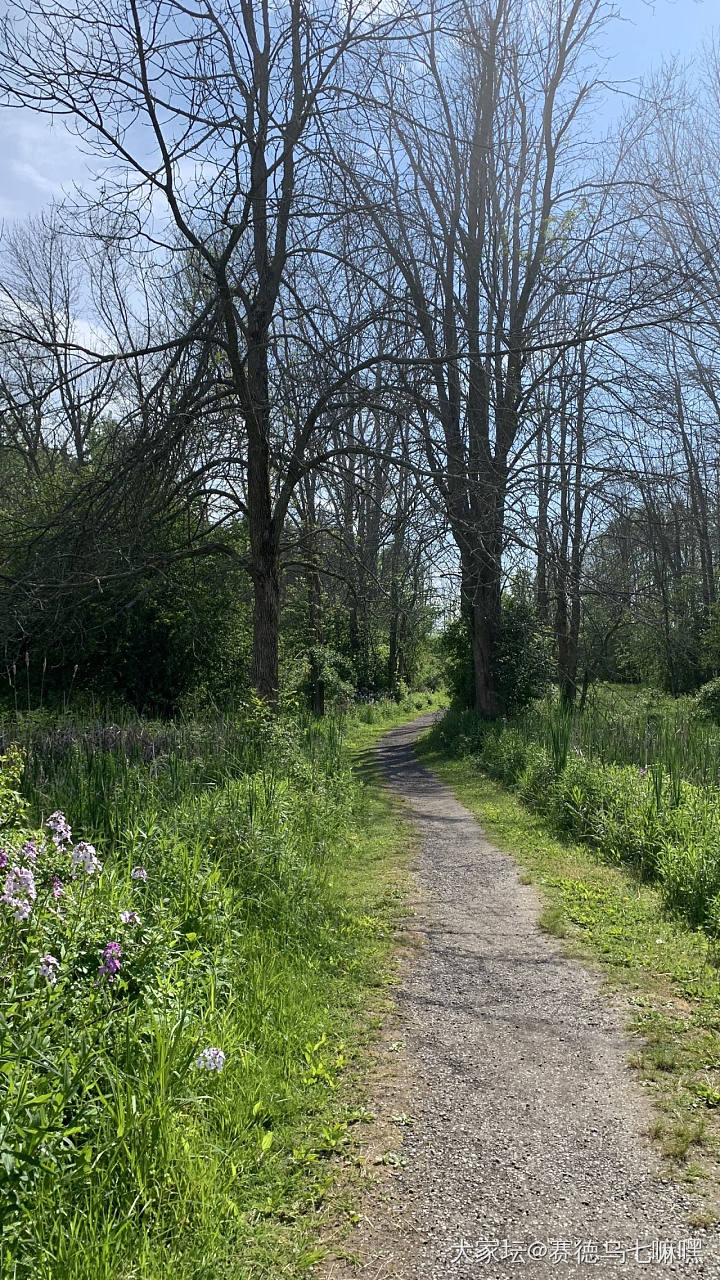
(317, 638)
(481, 609)
(264, 538)
(266, 628)
(484, 639)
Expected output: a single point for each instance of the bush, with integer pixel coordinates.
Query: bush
(707, 700)
(523, 663)
(536, 783)
(689, 871)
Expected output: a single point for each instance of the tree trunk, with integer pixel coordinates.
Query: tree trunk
(481, 609)
(264, 539)
(317, 637)
(266, 627)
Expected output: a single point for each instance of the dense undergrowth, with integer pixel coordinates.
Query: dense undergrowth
(634, 776)
(183, 973)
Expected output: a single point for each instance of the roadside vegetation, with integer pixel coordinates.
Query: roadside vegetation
(598, 808)
(194, 919)
(634, 779)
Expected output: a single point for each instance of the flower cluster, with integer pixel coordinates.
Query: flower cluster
(59, 826)
(20, 891)
(48, 968)
(210, 1060)
(139, 873)
(129, 917)
(84, 855)
(110, 966)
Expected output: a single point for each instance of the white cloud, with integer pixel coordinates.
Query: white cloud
(40, 160)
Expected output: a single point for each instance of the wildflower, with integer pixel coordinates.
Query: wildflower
(58, 888)
(3, 859)
(110, 966)
(139, 873)
(643, 772)
(84, 855)
(61, 833)
(19, 883)
(210, 1060)
(48, 968)
(29, 850)
(22, 910)
(129, 917)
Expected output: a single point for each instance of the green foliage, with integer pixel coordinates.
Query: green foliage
(707, 700)
(258, 930)
(13, 807)
(523, 660)
(522, 665)
(645, 814)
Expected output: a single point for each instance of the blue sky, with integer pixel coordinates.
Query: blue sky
(38, 159)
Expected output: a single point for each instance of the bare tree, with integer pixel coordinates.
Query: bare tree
(473, 189)
(207, 124)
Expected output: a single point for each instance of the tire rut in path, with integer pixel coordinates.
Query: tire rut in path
(528, 1125)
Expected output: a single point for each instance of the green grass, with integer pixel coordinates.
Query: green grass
(667, 972)
(274, 881)
(633, 725)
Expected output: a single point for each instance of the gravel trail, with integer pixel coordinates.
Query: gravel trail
(528, 1126)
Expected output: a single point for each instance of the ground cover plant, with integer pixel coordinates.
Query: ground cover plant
(188, 945)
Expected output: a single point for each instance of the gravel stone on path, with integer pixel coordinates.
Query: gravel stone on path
(528, 1124)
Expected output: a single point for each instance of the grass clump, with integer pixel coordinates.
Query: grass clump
(650, 817)
(184, 983)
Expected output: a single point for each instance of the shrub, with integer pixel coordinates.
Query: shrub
(522, 666)
(536, 783)
(689, 871)
(707, 700)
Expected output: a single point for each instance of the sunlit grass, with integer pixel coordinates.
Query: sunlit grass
(268, 908)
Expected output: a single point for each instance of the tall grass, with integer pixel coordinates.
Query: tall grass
(628, 725)
(635, 776)
(259, 928)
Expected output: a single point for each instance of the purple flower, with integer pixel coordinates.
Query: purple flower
(58, 888)
(129, 917)
(139, 873)
(84, 855)
(110, 966)
(48, 968)
(643, 772)
(20, 892)
(3, 859)
(210, 1060)
(58, 824)
(19, 883)
(29, 850)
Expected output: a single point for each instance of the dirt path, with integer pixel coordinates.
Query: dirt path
(528, 1127)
